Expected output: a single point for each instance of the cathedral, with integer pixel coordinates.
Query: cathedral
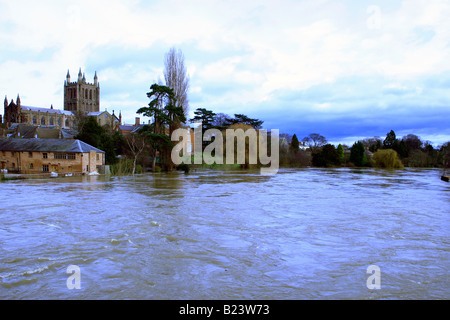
(78, 96)
(81, 95)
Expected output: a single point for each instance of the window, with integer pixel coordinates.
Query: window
(67, 122)
(30, 154)
(45, 168)
(44, 155)
(70, 156)
(31, 166)
(51, 121)
(43, 121)
(98, 157)
(59, 122)
(34, 120)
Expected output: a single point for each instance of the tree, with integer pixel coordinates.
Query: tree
(241, 118)
(176, 78)
(315, 141)
(391, 141)
(294, 144)
(206, 117)
(164, 114)
(326, 157)
(358, 154)
(412, 142)
(221, 121)
(340, 152)
(136, 145)
(372, 144)
(95, 135)
(387, 158)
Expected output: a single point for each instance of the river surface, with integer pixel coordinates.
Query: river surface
(300, 234)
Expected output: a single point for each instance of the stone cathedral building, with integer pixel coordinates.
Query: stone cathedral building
(81, 95)
(78, 96)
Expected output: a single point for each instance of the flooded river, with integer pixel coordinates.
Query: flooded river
(300, 234)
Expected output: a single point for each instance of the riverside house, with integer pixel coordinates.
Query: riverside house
(43, 156)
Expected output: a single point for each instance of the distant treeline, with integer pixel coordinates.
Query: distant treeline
(410, 151)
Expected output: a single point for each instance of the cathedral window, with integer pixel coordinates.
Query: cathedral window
(42, 120)
(34, 120)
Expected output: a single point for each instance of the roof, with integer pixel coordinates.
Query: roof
(49, 110)
(46, 145)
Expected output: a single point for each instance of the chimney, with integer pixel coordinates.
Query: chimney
(138, 121)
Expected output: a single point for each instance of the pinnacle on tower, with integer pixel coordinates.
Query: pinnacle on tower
(79, 75)
(6, 102)
(18, 100)
(95, 78)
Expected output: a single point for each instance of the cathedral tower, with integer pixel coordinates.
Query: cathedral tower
(81, 95)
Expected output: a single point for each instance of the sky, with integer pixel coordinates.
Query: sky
(347, 70)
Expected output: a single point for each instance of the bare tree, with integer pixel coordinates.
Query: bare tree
(136, 144)
(315, 141)
(176, 77)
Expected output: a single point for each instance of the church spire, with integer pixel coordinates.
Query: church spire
(79, 75)
(95, 78)
(18, 100)
(6, 102)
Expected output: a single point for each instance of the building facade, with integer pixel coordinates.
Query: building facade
(43, 156)
(81, 95)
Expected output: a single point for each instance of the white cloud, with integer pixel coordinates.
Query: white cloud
(254, 50)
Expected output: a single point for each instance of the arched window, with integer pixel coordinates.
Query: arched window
(59, 122)
(67, 123)
(90, 94)
(34, 120)
(42, 121)
(51, 121)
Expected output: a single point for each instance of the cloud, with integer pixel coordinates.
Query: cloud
(345, 68)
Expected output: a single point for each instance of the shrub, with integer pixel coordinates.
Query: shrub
(387, 158)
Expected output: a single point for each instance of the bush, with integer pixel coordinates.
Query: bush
(387, 158)
(124, 167)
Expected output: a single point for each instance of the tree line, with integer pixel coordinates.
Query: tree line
(391, 152)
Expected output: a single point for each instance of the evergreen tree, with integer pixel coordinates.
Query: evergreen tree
(358, 154)
(326, 157)
(165, 114)
(341, 155)
(391, 141)
(241, 118)
(294, 144)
